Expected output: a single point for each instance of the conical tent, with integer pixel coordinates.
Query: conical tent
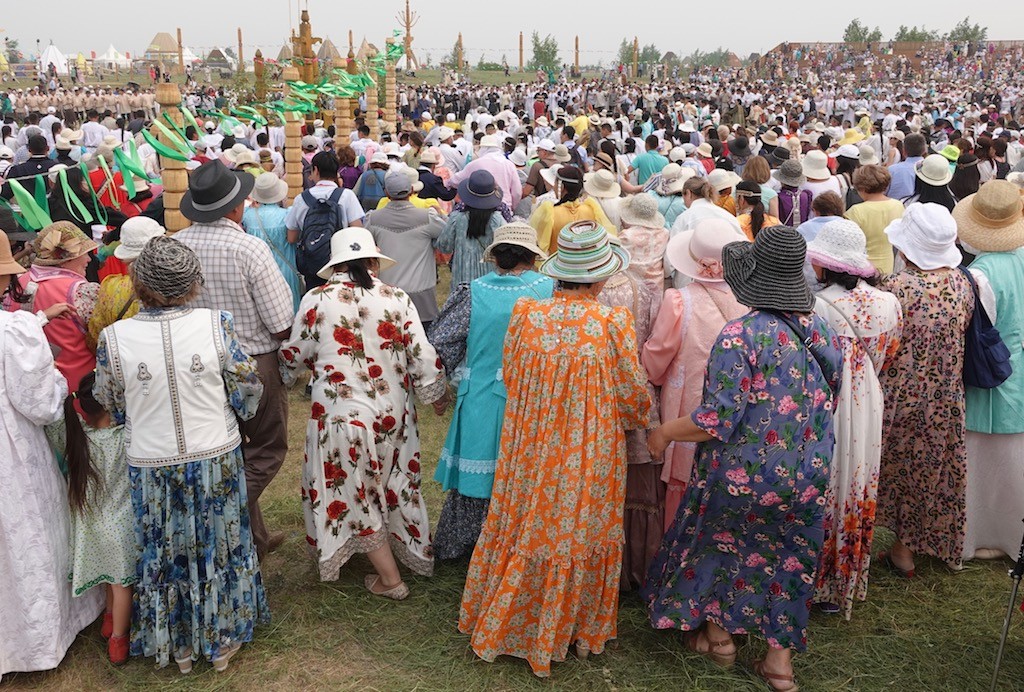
(327, 51)
(285, 53)
(113, 58)
(188, 57)
(219, 59)
(162, 47)
(52, 56)
(366, 50)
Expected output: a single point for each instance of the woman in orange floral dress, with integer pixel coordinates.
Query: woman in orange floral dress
(545, 573)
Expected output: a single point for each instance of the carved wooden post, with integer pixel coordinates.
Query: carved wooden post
(259, 70)
(390, 92)
(292, 142)
(172, 173)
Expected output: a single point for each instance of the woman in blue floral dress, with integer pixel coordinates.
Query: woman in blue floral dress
(741, 555)
(178, 378)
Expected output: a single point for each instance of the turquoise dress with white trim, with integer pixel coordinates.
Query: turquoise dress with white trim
(469, 337)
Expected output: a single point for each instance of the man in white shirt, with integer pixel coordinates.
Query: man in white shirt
(454, 160)
(92, 132)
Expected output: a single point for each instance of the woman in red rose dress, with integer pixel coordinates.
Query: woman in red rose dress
(365, 346)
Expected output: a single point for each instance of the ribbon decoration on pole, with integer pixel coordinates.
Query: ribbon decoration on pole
(32, 216)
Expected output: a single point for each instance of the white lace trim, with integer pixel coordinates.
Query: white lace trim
(464, 465)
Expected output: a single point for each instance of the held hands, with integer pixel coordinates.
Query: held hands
(441, 405)
(57, 310)
(657, 442)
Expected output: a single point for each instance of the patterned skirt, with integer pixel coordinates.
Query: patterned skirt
(458, 529)
(198, 585)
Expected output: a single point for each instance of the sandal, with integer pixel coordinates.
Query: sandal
(399, 592)
(582, 651)
(690, 640)
(220, 664)
(184, 660)
(888, 563)
(768, 677)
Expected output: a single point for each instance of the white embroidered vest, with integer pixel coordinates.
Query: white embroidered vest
(177, 409)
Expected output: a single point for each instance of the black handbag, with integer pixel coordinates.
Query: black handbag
(986, 357)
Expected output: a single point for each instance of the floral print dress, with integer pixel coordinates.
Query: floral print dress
(361, 475)
(868, 322)
(198, 586)
(922, 487)
(546, 569)
(744, 547)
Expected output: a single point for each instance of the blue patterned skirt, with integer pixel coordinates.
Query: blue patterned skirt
(198, 581)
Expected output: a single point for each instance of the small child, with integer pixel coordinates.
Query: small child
(103, 546)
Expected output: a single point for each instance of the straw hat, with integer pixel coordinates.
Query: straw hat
(353, 243)
(515, 233)
(602, 184)
(926, 235)
(934, 170)
(561, 153)
(246, 158)
(720, 179)
(641, 210)
(269, 189)
(790, 173)
(705, 150)
(235, 152)
(61, 242)
(586, 254)
(815, 165)
(429, 156)
(771, 138)
(991, 220)
(673, 177)
(868, 157)
(550, 175)
(697, 253)
(135, 233)
(7, 264)
(842, 247)
(851, 136)
(769, 273)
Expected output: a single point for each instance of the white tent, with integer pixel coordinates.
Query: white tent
(113, 58)
(188, 57)
(52, 55)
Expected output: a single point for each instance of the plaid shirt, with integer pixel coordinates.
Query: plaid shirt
(242, 278)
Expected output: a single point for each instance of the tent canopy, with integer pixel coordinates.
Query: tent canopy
(328, 51)
(113, 58)
(162, 47)
(4, 66)
(52, 56)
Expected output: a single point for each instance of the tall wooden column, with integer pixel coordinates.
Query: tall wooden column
(172, 173)
(292, 143)
(390, 92)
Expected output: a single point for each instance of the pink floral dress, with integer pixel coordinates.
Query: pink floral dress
(361, 476)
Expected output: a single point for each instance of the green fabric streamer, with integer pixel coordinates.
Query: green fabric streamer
(35, 216)
(177, 128)
(162, 149)
(101, 211)
(71, 201)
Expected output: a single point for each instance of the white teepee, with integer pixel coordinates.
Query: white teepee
(52, 55)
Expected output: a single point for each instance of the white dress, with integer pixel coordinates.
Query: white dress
(39, 619)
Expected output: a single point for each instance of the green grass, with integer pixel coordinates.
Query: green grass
(938, 632)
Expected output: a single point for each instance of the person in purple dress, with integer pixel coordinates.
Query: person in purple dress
(741, 555)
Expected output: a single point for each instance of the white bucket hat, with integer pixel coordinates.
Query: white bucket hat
(815, 165)
(353, 243)
(135, 233)
(842, 247)
(935, 170)
(269, 189)
(602, 184)
(926, 235)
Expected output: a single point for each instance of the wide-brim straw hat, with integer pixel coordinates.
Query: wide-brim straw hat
(851, 136)
(673, 178)
(353, 243)
(7, 264)
(586, 254)
(550, 175)
(720, 179)
(768, 274)
(992, 220)
(705, 150)
(641, 210)
(842, 247)
(269, 189)
(771, 138)
(135, 233)
(697, 253)
(926, 235)
(602, 184)
(60, 242)
(934, 170)
(515, 233)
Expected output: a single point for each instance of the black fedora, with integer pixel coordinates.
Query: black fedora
(213, 191)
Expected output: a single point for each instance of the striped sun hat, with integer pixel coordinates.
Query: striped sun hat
(586, 254)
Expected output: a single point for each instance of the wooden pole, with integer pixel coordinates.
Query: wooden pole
(576, 58)
(458, 62)
(636, 56)
(259, 71)
(172, 173)
(390, 92)
(181, 54)
(520, 51)
(292, 142)
(241, 59)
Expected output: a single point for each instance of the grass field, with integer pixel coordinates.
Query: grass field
(938, 632)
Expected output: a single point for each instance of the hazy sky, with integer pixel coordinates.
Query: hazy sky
(265, 24)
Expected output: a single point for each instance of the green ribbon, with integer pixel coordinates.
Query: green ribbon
(71, 201)
(162, 149)
(34, 216)
(177, 128)
(101, 211)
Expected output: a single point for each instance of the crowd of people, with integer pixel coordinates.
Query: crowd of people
(699, 342)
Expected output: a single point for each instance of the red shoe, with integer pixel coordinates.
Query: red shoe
(108, 625)
(117, 649)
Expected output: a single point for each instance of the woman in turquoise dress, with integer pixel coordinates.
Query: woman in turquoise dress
(265, 220)
(741, 555)
(178, 378)
(471, 330)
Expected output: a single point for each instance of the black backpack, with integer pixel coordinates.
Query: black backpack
(323, 218)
